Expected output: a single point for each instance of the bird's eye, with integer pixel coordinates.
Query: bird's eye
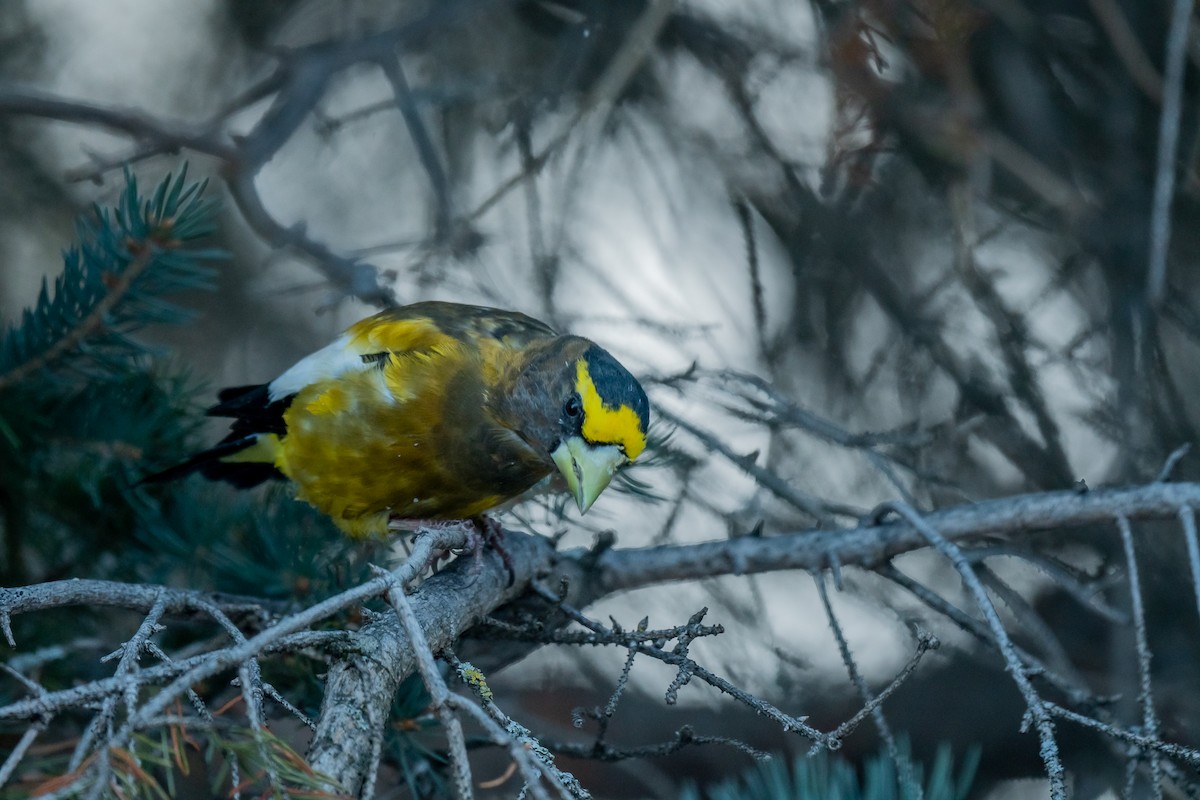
(573, 409)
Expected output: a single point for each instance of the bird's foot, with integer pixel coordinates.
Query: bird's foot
(480, 532)
(413, 526)
(491, 533)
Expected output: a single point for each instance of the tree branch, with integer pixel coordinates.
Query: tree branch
(359, 690)
(870, 546)
(132, 596)
(361, 684)
(143, 127)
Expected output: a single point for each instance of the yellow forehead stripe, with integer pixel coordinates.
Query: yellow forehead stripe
(605, 425)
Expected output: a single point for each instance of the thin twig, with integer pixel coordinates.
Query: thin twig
(925, 643)
(875, 705)
(426, 543)
(1168, 140)
(273, 693)
(1145, 691)
(634, 52)
(403, 99)
(1011, 332)
(130, 652)
(1037, 629)
(565, 783)
(1187, 518)
(1012, 662)
(1185, 754)
(1128, 48)
(530, 765)
(821, 510)
(14, 758)
(746, 223)
(460, 766)
(1075, 691)
(1066, 577)
(1172, 461)
(357, 278)
(686, 736)
(786, 721)
(778, 410)
(201, 708)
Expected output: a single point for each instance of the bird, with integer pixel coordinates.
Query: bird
(434, 411)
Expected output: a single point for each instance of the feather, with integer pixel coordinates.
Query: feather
(328, 363)
(214, 464)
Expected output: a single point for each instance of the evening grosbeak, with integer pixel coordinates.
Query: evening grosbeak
(433, 411)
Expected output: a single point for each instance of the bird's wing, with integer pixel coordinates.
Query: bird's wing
(510, 329)
(411, 330)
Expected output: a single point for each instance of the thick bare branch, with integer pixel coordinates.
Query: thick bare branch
(872, 545)
(359, 690)
(141, 126)
(133, 596)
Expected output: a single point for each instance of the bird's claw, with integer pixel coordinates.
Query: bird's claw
(480, 532)
(492, 532)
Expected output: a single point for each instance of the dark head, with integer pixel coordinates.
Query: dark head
(594, 414)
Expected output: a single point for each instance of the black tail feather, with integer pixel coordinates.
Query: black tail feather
(242, 474)
(235, 401)
(253, 412)
(252, 408)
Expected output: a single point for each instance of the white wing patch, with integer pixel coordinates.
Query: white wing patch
(334, 359)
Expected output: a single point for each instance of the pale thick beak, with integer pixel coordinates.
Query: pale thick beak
(587, 467)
